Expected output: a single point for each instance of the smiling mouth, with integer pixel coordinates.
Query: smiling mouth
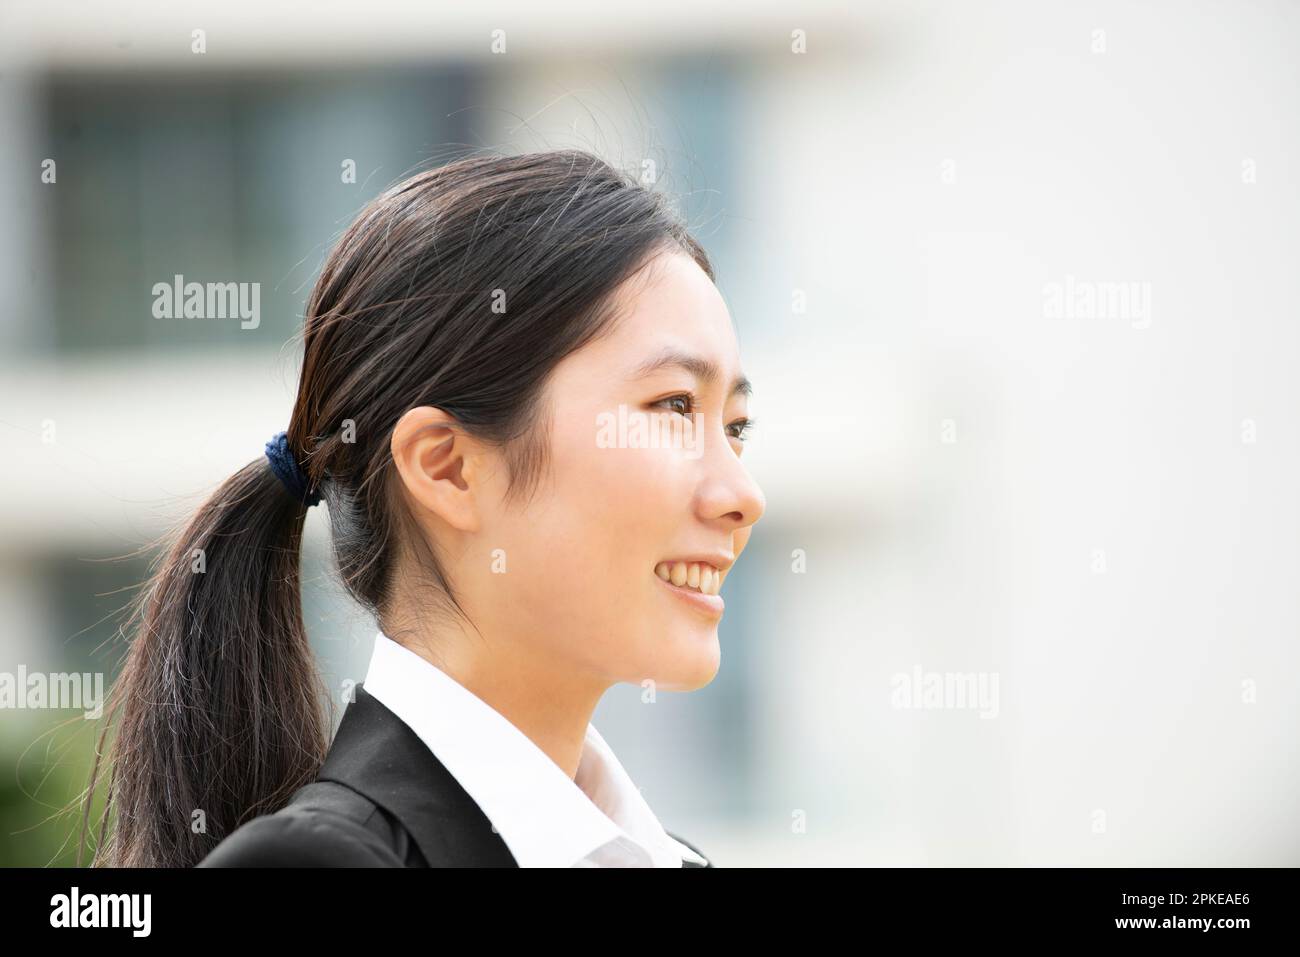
(694, 576)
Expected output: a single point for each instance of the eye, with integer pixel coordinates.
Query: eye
(686, 397)
(736, 430)
(742, 427)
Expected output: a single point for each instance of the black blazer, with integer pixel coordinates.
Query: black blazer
(381, 799)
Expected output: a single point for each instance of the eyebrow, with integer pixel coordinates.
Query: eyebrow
(703, 369)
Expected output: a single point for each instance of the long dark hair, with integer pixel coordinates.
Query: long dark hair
(219, 700)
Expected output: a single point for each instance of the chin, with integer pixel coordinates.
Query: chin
(693, 663)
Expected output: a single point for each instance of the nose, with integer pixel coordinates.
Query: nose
(728, 493)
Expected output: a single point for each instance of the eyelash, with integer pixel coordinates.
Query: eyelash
(744, 425)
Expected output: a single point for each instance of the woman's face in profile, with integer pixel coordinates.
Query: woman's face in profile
(635, 480)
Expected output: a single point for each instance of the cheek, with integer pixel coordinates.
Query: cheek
(589, 548)
(601, 521)
(619, 494)
(625, 502)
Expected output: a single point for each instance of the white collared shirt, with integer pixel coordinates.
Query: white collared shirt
(545, 818)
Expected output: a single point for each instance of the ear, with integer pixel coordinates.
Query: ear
(439, 465)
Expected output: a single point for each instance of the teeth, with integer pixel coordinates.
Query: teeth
(700, 576)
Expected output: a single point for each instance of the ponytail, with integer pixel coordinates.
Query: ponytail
(219, 695)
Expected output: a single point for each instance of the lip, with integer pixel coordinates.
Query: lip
(710, 605)
(722, 561)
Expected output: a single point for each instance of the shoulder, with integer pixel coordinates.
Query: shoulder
(346, 831)
(302, 838)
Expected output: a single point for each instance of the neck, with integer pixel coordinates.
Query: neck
(549, 700)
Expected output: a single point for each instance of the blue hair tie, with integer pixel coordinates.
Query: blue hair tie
(287, 470)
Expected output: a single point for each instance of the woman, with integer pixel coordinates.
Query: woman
(522, 405)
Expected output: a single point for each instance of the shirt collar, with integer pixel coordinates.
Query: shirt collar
(545, 818)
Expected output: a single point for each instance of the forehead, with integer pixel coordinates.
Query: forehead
(670, 305)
